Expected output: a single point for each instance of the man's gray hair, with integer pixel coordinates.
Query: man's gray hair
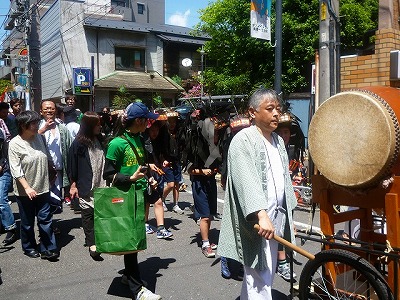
(260, 96)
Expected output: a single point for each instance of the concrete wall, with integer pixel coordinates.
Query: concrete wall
(154, 11)
(102, 99)
(154, 54)
(74, 43)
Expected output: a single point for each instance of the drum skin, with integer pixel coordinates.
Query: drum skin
(354, 137)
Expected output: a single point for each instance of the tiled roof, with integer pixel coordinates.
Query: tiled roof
(138, 81)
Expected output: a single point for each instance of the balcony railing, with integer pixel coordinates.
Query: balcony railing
(106, 11)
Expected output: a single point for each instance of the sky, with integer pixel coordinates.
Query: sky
(177, 12)
(183, 12)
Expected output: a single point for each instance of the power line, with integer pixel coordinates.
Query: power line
(35, 5)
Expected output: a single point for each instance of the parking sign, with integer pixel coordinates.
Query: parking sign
(82, 81)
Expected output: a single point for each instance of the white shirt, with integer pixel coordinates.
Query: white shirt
(276, 181)
(53, 141)
(73, 129)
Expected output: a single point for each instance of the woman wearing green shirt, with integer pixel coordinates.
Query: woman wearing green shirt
(123, 168)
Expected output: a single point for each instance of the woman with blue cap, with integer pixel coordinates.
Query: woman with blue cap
(125, 159)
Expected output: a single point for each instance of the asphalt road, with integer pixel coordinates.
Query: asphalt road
(175, 269)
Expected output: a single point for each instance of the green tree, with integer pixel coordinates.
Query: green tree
(5, 84)
(236, 62)
(123, 98)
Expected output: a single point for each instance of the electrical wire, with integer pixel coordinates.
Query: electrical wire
(36, 5)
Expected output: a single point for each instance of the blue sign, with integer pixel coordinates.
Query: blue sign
(82, 81)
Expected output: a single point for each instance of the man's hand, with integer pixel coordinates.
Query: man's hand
(266, 227)
(49, 124)
(208, 172)
(73, 191)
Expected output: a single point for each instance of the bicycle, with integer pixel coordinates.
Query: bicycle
(338, 274)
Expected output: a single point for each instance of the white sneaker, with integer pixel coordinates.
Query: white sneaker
(165, 206)
(177, 209)
(149, 229)
(146, 294)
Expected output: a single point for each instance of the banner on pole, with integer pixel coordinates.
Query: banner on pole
(260, 19)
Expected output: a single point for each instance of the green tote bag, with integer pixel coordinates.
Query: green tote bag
(119, 220)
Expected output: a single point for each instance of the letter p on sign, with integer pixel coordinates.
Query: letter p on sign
(80, 78)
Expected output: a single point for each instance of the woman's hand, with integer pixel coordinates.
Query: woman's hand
(73, 191)
(156, 169)
(208, 172)
(166, 164)
(30, 192)
(266, 227)
(137, 175)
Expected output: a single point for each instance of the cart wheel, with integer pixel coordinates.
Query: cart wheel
(340, 274)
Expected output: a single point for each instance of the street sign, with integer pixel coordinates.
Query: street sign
(82, 81)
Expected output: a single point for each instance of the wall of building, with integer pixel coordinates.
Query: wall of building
(154, 11)
(50, 52)
(102, 99)
(374, 69)
(154, 54)
(74, 42)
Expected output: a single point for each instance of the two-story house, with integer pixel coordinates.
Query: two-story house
(126, 41)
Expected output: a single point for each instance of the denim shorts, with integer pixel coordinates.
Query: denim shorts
(204, 189)
(173, 173)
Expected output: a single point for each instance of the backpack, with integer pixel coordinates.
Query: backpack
(194, 146)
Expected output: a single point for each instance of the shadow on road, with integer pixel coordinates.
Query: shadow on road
(149, 272)
(65, 226)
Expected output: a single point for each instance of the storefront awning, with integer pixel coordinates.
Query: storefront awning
(138, 81)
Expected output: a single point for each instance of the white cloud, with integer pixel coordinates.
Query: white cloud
(179, 19)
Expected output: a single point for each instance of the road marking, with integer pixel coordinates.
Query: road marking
(307, 226)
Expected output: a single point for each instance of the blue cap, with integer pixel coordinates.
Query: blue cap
(139, 110)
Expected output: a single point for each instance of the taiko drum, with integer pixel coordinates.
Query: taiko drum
(354, 136)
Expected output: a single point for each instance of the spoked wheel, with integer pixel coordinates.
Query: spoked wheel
(340, 274)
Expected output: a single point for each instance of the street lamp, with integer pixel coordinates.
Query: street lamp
(202, 53)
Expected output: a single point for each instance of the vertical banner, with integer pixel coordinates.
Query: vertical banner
(260, 19)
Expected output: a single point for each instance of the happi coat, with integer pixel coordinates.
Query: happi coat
(246, 193)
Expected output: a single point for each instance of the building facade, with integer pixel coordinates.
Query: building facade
(124, 42)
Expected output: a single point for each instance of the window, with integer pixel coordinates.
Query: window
(122, 3)
(140, 8)
(129, 59)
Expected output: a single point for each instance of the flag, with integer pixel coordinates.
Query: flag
(260, 19)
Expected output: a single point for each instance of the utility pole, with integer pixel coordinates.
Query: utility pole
(278, 47)
(329, 55)
(27, 30)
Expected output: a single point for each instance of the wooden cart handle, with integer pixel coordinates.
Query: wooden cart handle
(290, 245)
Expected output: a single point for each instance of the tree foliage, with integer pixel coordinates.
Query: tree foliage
(5, 84)
(236, 62)
(122, 99)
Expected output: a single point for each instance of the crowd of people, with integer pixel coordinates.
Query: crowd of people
(62, 155)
